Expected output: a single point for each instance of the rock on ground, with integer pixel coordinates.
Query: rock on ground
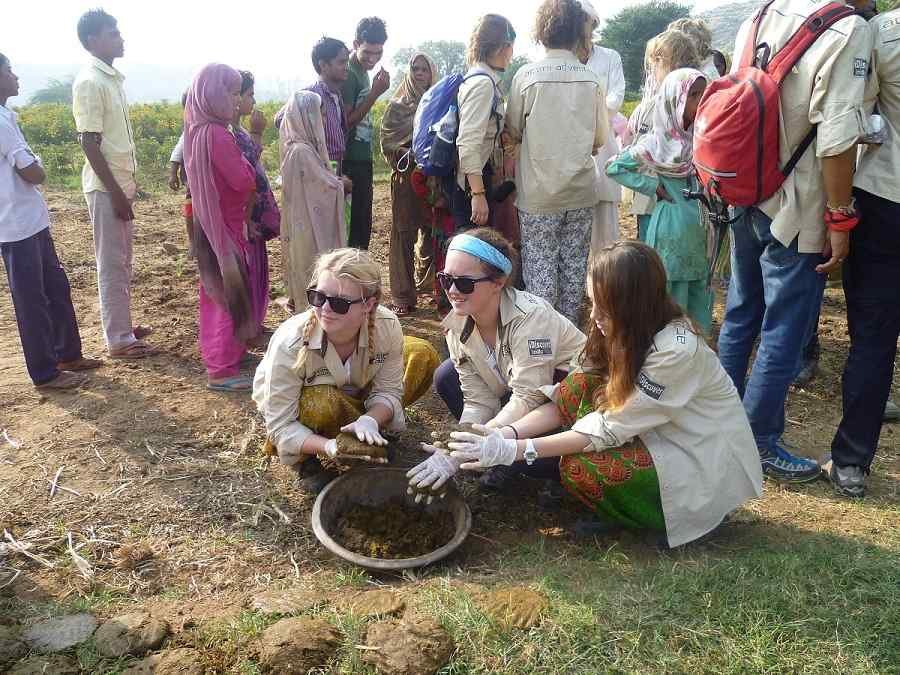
(412, 646)
(11, 646)
(130, 635)
(297, 645)
(515, 607)
(289, 601)
(59, 634)
(171, 662)
(46, 665)
(377, 602)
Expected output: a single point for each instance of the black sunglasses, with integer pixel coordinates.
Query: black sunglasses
(338, 305)
(464, 285)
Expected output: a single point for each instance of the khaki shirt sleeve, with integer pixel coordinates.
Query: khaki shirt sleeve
(836, 105)
(87, 107)
(476, 100)
(387, 385)
(277, 389)
(667, 381)
(515, 112)
(529, 372)
(479, 402)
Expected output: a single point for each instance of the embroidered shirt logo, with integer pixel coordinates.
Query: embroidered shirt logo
(321, 372)
(540, 347)
(649, 387)
(860, 67)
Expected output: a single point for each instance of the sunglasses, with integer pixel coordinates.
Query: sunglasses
(465, 285)
(338, 305)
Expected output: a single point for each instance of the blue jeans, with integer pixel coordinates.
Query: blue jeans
(775, 293)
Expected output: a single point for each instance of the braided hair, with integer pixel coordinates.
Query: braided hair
(351, 264)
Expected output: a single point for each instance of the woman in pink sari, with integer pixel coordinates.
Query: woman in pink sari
(222, 182)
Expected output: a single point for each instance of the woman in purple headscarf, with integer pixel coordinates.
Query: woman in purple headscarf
(222, 183)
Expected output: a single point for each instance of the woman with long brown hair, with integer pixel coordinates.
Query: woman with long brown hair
(658, 438)
(481, 111)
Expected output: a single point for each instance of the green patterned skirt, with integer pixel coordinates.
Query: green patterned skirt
(620, 484)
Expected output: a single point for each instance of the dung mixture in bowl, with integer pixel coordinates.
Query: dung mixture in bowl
(394, 530)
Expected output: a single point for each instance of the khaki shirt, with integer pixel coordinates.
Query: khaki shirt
(533, 341)
(375, 372)
(100, 106)
(688, 413)
(877, 173)
(557, 111)
(478, 137)
(825, 88)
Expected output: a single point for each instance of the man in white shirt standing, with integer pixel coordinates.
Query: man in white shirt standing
(108, 179)
(38, 284)
(872, 275)
(607, 65)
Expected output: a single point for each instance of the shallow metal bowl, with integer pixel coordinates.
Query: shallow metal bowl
(374, 487)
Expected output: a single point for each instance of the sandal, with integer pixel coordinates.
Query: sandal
(236, 384)
(140, 332)
(64, 380)
(136, 350)
(80, 364)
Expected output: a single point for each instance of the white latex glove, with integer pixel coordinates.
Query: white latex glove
(366, 430)
(432, 474)
(331, 448)
(483, 449)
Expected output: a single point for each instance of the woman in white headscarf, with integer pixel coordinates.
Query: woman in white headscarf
(313, 208)
(607, 65)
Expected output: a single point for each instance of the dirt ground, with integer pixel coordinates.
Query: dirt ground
(161, 487)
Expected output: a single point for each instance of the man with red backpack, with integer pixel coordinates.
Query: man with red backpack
(785, 242)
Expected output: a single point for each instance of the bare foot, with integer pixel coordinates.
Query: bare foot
(64, 380)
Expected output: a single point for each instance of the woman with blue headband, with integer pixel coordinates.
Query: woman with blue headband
(504, 344)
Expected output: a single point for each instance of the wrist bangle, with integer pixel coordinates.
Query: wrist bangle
(515, 433)
(479, 194)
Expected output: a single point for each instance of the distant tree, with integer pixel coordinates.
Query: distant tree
(629, 30)
(56, 91)
(449, 56)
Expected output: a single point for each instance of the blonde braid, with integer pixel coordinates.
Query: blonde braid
(300, 363)
(371, 329)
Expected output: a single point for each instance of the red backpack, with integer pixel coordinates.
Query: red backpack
(736, 144)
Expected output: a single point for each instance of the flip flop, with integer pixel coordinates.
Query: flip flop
(236, 384)
(136, 350)
(65, 380)
(80, 364)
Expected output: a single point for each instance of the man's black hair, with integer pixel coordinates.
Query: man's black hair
(3, 61)
(327, 49)
(247, 80)
(92, 24)
(372, 30)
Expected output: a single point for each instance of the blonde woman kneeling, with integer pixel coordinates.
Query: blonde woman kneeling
(341, 366)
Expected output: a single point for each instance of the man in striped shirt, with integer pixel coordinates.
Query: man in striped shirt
(331, 60)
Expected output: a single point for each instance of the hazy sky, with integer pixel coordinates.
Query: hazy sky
(273, 39)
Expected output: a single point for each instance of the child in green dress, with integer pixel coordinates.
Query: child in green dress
(660, 164)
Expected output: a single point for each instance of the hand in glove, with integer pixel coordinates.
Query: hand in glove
(483, 449)
(427, 479)
(366, 430)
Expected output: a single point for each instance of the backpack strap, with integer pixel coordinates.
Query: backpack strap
(810, 31)
(750, 49)
(798, 153)
(494, 103)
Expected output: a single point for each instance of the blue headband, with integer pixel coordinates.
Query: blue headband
(481, 250)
